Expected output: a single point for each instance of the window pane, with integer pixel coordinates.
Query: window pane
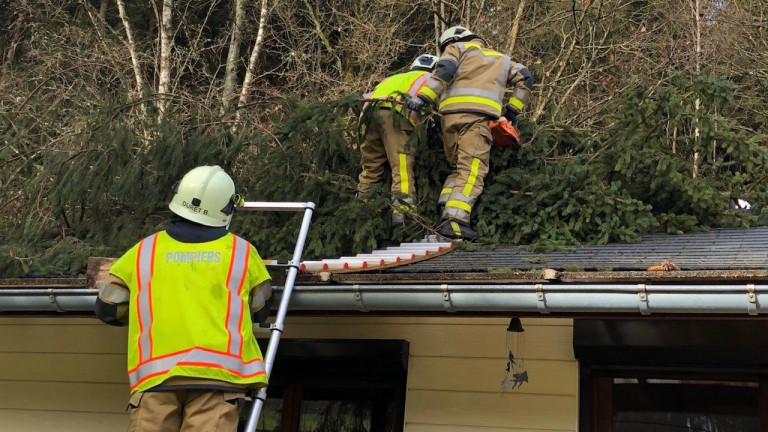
(269, 420)
(335, 416)
(664, 405)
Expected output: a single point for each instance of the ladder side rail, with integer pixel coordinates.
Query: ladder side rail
(277, 327)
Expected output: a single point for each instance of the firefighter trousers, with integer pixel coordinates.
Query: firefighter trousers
(386, 141)
(188, 410)
(467, 146)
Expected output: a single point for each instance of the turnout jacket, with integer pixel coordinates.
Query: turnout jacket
(471, 78)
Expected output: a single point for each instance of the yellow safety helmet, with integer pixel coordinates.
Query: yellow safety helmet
(205, 195)
(455, 34)
(424, 62)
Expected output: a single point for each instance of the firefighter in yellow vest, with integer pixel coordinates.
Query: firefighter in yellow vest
(388, 126)
(187, 295)
(469, 84)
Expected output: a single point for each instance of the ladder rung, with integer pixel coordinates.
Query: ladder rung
(276, 206)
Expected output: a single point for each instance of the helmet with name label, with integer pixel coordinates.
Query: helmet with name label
(205, 195)
(424, 62)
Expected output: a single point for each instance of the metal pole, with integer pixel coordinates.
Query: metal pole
(277, 327)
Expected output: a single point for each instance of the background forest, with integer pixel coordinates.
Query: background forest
(647, 115)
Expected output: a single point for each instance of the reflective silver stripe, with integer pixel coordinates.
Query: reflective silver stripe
(367, 96)
(458, 196)
(521, 95)
(516, 69)
(145, 261)
(416, 86)
(114, 294)
(504, 77)
(236, 307)
(454, 92)
(455, 213)
(196, 357)
(446, 192)
(449, 57)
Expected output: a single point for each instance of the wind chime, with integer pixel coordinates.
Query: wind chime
(515, 355)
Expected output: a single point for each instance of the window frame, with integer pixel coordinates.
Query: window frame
(684, 349)
(379, 366)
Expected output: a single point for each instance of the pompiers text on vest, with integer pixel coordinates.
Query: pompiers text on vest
(193, 257)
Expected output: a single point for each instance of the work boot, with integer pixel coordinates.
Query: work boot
(455, 229)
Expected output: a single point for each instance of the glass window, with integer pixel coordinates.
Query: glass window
(679, 405)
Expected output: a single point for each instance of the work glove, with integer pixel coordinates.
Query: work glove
(510, 113)
(415, 104)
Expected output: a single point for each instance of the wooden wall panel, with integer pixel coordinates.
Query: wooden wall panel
(61, 421)
(72, 370)
(480, 410)
(485, 375)
(482, 338)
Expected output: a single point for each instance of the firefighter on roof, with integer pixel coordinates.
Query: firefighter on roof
(388, 128)
(469, 84)
(187, 294)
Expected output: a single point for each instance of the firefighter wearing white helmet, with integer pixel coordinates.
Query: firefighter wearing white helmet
(205, 195)
(424, 62)
(189, 295)
(388, 135)
(469, 98)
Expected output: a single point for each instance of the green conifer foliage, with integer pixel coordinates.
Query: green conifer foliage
(563, 186)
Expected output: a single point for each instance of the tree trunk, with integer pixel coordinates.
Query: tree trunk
(252, 60)
(103, 9)
(512, 38)
(697, 105)
(166, 44)
(17, 28)
(230, 75)
(131, 46)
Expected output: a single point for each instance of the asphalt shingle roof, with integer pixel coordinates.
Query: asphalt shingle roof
(719, 249)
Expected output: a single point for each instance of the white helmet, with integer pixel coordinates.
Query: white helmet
(425, 62)
(205, 195)
(455, 34)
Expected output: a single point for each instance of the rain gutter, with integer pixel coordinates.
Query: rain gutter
(536, 298)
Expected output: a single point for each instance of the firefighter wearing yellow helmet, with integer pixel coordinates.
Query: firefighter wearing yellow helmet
(187, 294)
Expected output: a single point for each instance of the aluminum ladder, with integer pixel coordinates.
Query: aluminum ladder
(276, 329)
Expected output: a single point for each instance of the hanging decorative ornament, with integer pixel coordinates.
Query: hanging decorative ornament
(515, 362)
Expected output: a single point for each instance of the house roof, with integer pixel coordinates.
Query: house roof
(718, 249)
(724, 272)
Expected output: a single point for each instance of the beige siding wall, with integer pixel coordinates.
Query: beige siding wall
(69, 374)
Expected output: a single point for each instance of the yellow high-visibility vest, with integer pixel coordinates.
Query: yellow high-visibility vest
(394, 87)
(189, 314)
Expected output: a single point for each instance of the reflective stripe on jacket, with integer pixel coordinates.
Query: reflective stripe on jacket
(472, 78)
(189, 314)
(394, 87)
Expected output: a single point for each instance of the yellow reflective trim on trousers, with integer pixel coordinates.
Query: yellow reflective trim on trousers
(517, 103)
(459, 205)
(456, 228)
(470, 99)
(403, 174)
(472, 177)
